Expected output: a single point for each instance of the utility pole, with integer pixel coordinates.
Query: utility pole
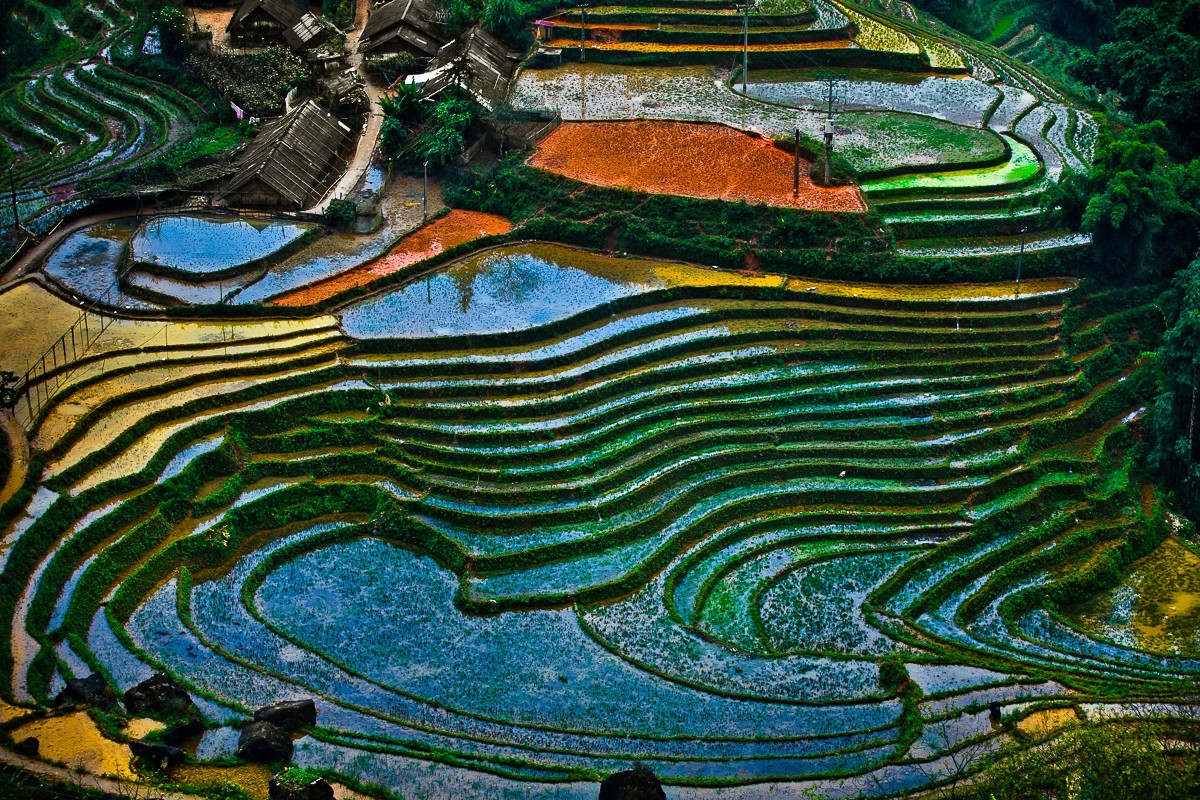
(1021, 257)
(829, 130)
(745, 9)
(583, 7)
(12, 193)
(425, 195)
(796, 169)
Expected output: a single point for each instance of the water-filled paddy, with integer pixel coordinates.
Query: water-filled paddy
(518, 286)
(961, 100)
(198, 246)
(89, 260)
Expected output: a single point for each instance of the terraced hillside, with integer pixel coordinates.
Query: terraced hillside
(83, 119)
(953, 142)
(741, 530)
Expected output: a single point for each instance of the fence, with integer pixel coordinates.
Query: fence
(41, 381)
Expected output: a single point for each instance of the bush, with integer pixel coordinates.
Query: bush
(340, 213)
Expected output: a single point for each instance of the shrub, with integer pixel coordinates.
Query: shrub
(340, 213)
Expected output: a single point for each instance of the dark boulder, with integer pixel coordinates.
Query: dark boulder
(159, 695)
(317, 790)
(633, 784)
(289, 715)
(28, 747)
(156, 752)
(91, 691)
(177, 734)
(264, 742)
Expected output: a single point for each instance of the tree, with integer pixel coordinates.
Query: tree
(1138, 204)
(1175, 414)
(446, 137)
(505, 18)
(392, 138)
(340, 213)
(172, 29)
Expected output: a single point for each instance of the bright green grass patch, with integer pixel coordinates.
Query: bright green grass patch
(874, 35)
(887, 140)
(1022, 166)
(784, 7)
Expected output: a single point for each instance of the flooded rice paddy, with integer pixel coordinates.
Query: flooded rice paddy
(456, 228)
(516, 287)
(705, 161)
(197, 246)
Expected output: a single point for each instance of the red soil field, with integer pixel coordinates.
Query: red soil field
(690, 159)
(457, 227)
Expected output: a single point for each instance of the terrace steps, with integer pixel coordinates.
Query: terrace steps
(719, 477)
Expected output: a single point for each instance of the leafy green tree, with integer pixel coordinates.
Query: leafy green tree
(1138, 204)
(1175, 414)
(446, 138)
(505, 18)
(340, 213)
(1152, 63)
(392, 138)
(172, 29)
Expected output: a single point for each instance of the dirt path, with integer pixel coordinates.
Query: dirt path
(370, 134)
(18, 445)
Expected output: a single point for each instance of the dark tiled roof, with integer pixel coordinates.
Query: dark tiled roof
(417, 22)
(286, 12)
(479, 62)
(297, 155)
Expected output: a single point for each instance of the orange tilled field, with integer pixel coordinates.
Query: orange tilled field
(693, 160)
(457, 227)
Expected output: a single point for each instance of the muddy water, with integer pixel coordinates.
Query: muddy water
(1156, 608)
(705, 161)
(1041, 723)
(253, 779)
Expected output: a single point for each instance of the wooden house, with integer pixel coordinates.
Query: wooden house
(410, 26)
(265, 21)
(477, 62)
(292, 163)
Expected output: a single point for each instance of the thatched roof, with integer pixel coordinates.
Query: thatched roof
(286, 12)
(298, 155)
(477, 61)
(414, 22)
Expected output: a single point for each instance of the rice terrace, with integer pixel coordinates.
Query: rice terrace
(651, 399)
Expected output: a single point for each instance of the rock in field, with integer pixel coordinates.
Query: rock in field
(90, 691)
(159, 695)
(264, 742)
(288, 715)
(633, 784)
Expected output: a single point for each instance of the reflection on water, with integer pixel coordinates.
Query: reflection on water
(88, 261)
(205, 244)
(513, 288)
